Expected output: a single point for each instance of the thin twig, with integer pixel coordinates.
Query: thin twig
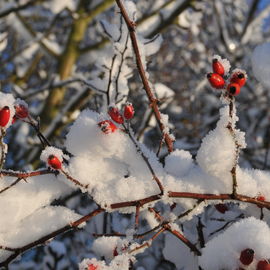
(155, 178)
(152, 99)
(43, 239)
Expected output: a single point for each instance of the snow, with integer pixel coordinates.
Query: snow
(221, 144)
(50, 150)
(223, 251)
(27, 197)
(179, 163)
(58, 5)
(163, 91)
(109, 163)
(174, 251)
(261, 63)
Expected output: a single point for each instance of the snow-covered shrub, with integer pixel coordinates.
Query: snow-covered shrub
(126, 205)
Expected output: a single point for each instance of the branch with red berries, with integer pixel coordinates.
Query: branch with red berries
(152, 99)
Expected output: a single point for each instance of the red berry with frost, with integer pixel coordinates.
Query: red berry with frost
(54, 162)
(4, 116)
(14, 119)
(233, 89)
(263, 265)
(129, 111)
(247, 256)
(92, 267)
(216, 80)
(107, 126)
(21, 111)
(239, 78)
(222, 208)
(116, 115)
(115, 252)
(260, 198)
(218, 67)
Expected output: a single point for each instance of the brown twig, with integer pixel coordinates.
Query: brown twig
(26, 174)
(200, 227)
(152, 99)
(148, 243)
(136, 202)
(75, 181)
(137, 215)
(237, 146)
(11, 185)
(176, 233)
(3, 147)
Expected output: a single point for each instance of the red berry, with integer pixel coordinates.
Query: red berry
(263, 265)
(107, 126)
(116, 115)
(222, 208)
(239, 78)
(115, 252)
(233, 89)
(14, 119)
(247, 256)
(129, 111)
(218, 67)
(92, 267)
(21, 111)
(260, 198)
(216, 80)
(54, 162)
(4, 116)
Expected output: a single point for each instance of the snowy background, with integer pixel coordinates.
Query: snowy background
(108, 189)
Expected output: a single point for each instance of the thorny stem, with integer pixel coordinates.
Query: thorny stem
(43, 239)
(155, 178)
(44, 141)
(200, 227)
(3, 147)
(11, 185)
(152, 99)
(237, 147)
(25, 174)
(176, 233)
(76, 182)
(137, 215)
(148, 243)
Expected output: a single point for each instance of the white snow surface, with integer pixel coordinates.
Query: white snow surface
(223, 251)
(109, 163)
(261, 63)
(178, 253)
(26, 204)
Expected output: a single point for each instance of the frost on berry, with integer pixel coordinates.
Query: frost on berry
(52, 156)
(21, 109)
(224, 62)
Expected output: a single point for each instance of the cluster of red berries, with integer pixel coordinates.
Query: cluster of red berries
(107, 126)
(247, 257)
(218, 81)
(21, 112)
